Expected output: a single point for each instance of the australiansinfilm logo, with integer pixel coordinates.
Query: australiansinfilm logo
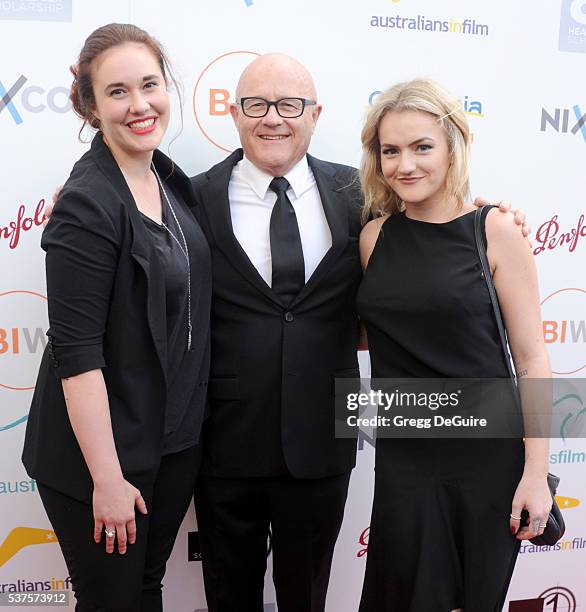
(36, 10)
(428, 23)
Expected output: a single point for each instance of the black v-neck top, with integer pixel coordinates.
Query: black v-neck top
(182, 376)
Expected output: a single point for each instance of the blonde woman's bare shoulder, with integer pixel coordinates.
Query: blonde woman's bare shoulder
(368, 238)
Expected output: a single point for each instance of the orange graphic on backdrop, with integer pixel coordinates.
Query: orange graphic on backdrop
(551, 334)
(221, 97)
(21, 292)
(21, 537)
(567, 502)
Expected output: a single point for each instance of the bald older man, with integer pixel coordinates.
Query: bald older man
(285, 274)
(283, 228)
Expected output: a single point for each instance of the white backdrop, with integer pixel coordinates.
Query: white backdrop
(518, 68)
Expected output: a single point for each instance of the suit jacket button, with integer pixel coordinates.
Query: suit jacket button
(288, 317)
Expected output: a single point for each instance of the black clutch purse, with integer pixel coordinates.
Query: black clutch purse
(555, 527)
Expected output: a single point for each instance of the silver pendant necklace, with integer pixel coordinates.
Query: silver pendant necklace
(184, 250)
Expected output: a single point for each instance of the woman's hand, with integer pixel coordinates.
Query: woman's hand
(533, 495)
(113, 505)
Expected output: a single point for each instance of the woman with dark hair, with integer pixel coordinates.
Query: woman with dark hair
(112, 437)
(446, 519)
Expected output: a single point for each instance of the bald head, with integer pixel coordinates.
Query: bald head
(280, 71)
(274, 144)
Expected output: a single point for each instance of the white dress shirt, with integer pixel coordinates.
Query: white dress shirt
(251, 205)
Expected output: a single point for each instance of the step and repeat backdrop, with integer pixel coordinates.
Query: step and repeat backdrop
(518, 69)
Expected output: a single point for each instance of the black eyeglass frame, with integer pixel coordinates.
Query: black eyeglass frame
(304, 102)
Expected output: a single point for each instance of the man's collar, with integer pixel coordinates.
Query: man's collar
(259, 180)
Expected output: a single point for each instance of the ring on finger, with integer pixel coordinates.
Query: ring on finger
(111, 533)
(515, 518)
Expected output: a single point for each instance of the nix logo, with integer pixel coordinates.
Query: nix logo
(21, 537)
(32, 99)
(212, 95)
(564, 120)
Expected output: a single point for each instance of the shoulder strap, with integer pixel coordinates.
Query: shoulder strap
(480, 235)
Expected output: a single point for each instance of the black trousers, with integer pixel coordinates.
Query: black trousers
(130, 582)
(234, 516)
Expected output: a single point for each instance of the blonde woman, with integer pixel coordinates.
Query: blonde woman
(445, 528)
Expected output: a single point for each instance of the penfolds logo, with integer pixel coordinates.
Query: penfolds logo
(549, 236)
(363, 541)
(23, 223)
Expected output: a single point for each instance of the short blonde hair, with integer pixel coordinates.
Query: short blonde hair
(426, 96)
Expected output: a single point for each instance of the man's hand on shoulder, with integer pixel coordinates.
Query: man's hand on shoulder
(505, 207)
(49, 207)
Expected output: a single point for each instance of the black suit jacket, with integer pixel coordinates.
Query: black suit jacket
(272, 374)
(107, 309)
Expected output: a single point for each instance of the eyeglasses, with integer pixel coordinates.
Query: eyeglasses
(288, 108)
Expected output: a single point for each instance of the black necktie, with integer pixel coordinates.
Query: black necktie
(286, 251)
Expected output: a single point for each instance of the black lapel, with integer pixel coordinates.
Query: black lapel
(335, 205)
(214, 197)
(140, 245)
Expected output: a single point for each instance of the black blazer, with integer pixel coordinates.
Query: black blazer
(107, 310)
(272, 373)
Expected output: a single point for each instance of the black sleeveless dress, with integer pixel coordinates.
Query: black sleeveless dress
(439, 536)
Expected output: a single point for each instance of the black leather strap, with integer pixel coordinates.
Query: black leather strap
(479, 220)
(555, 521)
